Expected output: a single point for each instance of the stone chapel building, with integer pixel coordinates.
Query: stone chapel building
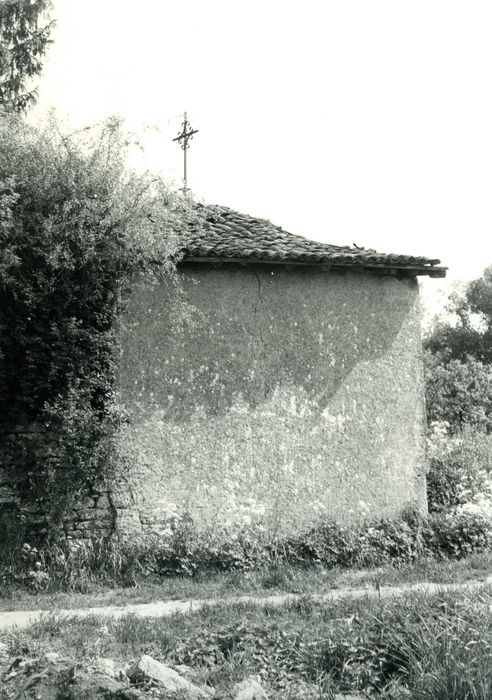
(291, 393)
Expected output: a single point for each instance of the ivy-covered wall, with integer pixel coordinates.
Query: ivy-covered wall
(76, 226)
(284, 397)
(20, 502)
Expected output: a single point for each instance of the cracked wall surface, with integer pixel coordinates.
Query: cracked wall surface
(285, 396)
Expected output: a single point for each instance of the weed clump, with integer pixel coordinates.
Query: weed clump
(187, 552)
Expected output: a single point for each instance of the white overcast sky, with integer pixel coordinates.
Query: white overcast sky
(366, 121)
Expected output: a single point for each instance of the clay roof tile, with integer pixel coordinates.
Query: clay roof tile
(224, 234)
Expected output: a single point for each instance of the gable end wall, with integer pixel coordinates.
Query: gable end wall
(285, 397)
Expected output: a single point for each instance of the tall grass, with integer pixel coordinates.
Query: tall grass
(460, 525)
(76, 565)
(419, 647)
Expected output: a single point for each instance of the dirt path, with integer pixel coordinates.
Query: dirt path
(165, 608)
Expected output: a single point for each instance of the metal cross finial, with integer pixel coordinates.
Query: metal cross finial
(183, 139)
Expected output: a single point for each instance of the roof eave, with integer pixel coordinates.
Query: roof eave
(381, 269)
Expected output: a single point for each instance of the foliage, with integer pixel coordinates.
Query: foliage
(458, 392)
(417, 646)
(23, 44)
(467, 329)
(73, 565)
(380, 542)
(76, 226)
(456, 535)
(435, 647)
(458, 359)
(460, 467)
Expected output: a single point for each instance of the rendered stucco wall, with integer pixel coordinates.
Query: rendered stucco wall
(286, 396)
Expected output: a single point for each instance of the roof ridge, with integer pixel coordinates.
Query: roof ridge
(221, 233)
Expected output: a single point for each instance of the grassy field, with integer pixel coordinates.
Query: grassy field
(419, 647)
(283, 578)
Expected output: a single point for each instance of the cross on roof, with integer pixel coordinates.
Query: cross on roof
(183, 139)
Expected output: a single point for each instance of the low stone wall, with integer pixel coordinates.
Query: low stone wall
(94, 515)
(19, 503)
(101, 511)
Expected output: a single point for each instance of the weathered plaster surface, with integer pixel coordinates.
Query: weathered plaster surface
(286, 396)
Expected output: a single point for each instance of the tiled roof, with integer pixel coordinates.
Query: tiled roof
(226, 235)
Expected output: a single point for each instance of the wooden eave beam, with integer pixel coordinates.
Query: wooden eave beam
(380, 269)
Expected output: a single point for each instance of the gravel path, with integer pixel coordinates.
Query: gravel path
(164, 608)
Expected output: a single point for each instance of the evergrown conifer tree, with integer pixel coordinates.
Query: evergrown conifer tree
(25, 31)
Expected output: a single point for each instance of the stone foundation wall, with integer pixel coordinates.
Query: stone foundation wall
(101, 511)
(94, 514)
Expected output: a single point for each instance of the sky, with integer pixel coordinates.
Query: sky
(345, 121)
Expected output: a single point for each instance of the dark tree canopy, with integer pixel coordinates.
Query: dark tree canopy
(470, 335)
(24, 38)
(76, 227)
(459, 392)
(459, 360)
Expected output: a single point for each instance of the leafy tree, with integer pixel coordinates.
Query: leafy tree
(469, 333)
(76, 226)
(23, 44)
(459, 359)
(458, 392)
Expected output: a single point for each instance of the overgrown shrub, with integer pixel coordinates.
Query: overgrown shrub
(76, 226)
(456, 534)
(458, 392)
(430, 648)
(329, 544)
(187, 552)
(380, 542)
(460, 467)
